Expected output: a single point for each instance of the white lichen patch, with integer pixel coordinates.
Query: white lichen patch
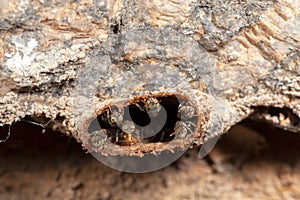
(29, 66)
(24, 55)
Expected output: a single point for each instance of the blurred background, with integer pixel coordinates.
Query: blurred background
(253, 160)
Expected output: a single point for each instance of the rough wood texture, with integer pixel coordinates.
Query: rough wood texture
(69, 61)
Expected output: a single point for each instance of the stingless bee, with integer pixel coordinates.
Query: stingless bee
(186, 111)
(121, 129)
(113, 116)
(98, 138)
(116, 116)
(182, 129)
(123, 138)
(128, 127)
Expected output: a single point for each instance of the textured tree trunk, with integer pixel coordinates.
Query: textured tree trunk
(65, 63)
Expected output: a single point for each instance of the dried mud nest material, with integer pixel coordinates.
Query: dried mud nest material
(100, 70)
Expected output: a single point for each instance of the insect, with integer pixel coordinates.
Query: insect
(186, 111)
(182, 129)
(129, 139)
(151, 106)
(128, 127)
(120, 130)
(123, 138)
(114, 117)
(123, 134)
(98, 138)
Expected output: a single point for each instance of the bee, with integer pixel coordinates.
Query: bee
(128, 127)
(151, 106)
(129, 139)
(98, 138)
(186, 111)
(114, 117)
(118, 134)
(125, 139)
(124, 132)
(182, 129)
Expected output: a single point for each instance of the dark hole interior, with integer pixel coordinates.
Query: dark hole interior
(141, 118)
(138, 116)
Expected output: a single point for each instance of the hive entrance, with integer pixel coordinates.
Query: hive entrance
(148, 120)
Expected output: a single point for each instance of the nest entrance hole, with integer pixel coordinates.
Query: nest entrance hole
(138, 113)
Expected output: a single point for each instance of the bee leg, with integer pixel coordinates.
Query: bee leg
(117, 138)
(130, 139)
(137, 105)
(191, 123)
